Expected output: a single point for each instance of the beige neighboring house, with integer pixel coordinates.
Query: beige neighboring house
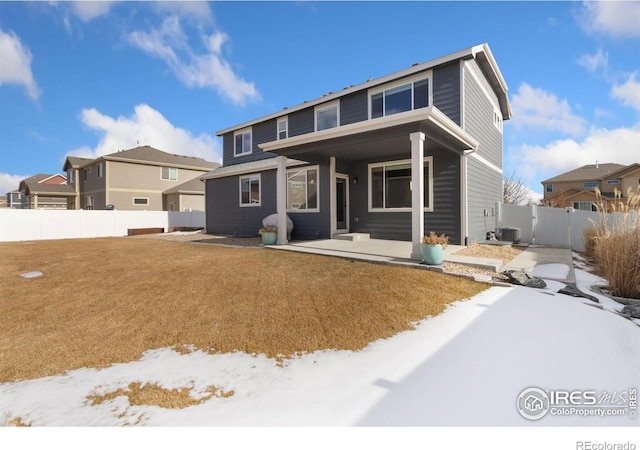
(577, 188)
(142, 178)
(42, 191)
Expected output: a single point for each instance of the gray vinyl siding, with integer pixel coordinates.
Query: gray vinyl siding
(478, 118)
(301, 122)
(484, 189)
(354, 108)
(446, 90)
(445, 217)
(225, 216)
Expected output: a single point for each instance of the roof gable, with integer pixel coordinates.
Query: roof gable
(150, 155)
(590, 172)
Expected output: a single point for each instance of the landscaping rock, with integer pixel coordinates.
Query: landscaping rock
(633, 311)
(521, 278)
(575, 292)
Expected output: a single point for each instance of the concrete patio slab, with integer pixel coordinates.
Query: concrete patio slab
(540, 255)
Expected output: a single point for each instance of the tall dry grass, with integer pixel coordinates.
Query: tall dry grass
(614, 242)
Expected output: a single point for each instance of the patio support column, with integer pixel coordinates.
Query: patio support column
(417, 193)
(281, 199)
(332, 195)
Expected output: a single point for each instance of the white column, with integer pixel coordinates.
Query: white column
(281, 199)
(332, 195)
(417, 193)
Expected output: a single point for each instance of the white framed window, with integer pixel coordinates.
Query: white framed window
(406, 95)
(610, 182)
(140, 201)
(169, 173)
(585, 206)
(590, 184)
(497, 119)
(327, 116)
(85, 172)
(71, 174)
(242, 142)
(390, 186)
(250, 190)
(283, 128)
(549, 187)
(100, 170)
(303, 192)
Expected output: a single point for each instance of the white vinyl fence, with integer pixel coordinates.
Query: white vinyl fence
(555, 227)
(40, 224)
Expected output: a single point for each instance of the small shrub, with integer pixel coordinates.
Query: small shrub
(434, 239)
(590, 238)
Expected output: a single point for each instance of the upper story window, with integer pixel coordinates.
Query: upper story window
(613, 181)
(169, 173)
(590, 184)
(283, 128)
(71, 176)
(400, 98)
(497, 119)
(549, 187)
(242, 142)
(327, 116)
(85, 172)
(100, 170)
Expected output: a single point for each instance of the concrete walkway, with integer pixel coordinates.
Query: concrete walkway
(534, 256)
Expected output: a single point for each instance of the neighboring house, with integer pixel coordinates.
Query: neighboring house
(42, 191)
(577, 188)
(3, 201)
(142, 178)
(414, 151)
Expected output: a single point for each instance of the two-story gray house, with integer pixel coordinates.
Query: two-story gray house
(417, 150)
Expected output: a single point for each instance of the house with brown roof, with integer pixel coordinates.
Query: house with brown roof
(42, 191)
(141, 178)
(577, 188)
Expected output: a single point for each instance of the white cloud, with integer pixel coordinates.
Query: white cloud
(197, 9)
(595, 62)
(16, 64)
(89, 10)
(628, 92)
(606, 146)
(537, 108)
(9, 182)
(193, 69)
(616, 18)
(148, 127)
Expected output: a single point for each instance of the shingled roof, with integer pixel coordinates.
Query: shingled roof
(194, 186)
(593, 172)
(149, 155)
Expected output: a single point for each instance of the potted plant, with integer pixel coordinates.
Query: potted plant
(269, 234)
(433, 248)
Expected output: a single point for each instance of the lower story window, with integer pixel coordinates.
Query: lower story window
(250, 190)
(89, 202)
(390, 185)
(140, 201)
(302, 189)
(585, 206)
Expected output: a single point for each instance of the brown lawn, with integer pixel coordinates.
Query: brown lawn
(103, 301)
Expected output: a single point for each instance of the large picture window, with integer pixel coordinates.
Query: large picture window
(250, 190)
(242, 142)
(397, 99)
(302, 190)
(390, 186)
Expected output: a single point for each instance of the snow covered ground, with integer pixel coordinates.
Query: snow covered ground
(465, 367)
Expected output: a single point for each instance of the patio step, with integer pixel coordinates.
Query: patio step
(354, 237)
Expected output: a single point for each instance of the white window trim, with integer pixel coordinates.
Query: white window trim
(286, 128)
(322, 107)
(304, 211)
(427, 75)
(371, 209)
(100, 170)
(243, 131)
(497, 119)
(169, 168)
(250, 205)
(133, 201)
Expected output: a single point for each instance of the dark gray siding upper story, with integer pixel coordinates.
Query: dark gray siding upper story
(225, 216)
(354, 108)
(445, 217)
(301, 122)
(446, 90)
(478, 118)
(484, 188)
(260, 133)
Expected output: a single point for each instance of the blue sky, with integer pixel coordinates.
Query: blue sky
(91, 78)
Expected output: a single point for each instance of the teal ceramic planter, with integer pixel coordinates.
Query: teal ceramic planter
(432, 254)
(269, 238)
